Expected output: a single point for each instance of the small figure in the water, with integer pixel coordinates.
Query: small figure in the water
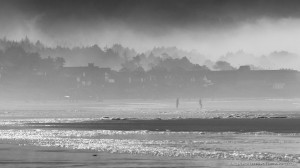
(177, 102)
(200, 103)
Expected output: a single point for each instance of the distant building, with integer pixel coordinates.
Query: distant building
(87, 75)
(244, 68)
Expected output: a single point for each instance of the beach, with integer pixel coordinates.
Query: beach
(16, 156)
(147, 133)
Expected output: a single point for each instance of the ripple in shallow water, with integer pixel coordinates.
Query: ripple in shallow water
(172, 144)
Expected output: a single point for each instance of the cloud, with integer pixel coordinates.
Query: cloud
(266, 35)
(213, 28)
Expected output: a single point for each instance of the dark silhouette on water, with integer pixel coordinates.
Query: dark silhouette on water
(200, 103)
(177, 102)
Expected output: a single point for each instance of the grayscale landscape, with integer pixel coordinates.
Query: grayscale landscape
(160, 83)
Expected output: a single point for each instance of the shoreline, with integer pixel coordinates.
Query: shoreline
(20, 156)
(73, 134)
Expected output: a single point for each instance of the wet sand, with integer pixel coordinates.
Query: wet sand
(16, 156)
(150, 109)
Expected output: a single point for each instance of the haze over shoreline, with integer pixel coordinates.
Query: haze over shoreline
(117, 56)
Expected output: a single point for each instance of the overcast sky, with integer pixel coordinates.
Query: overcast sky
(212, 27)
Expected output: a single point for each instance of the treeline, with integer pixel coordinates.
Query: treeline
(25, 73)
(118, 57)
(16, 59)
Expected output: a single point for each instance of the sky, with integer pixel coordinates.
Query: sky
(211, 27)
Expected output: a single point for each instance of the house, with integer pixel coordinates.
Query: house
(86, 75)
(244, 68)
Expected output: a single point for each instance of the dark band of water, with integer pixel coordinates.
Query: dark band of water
(279, 125)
